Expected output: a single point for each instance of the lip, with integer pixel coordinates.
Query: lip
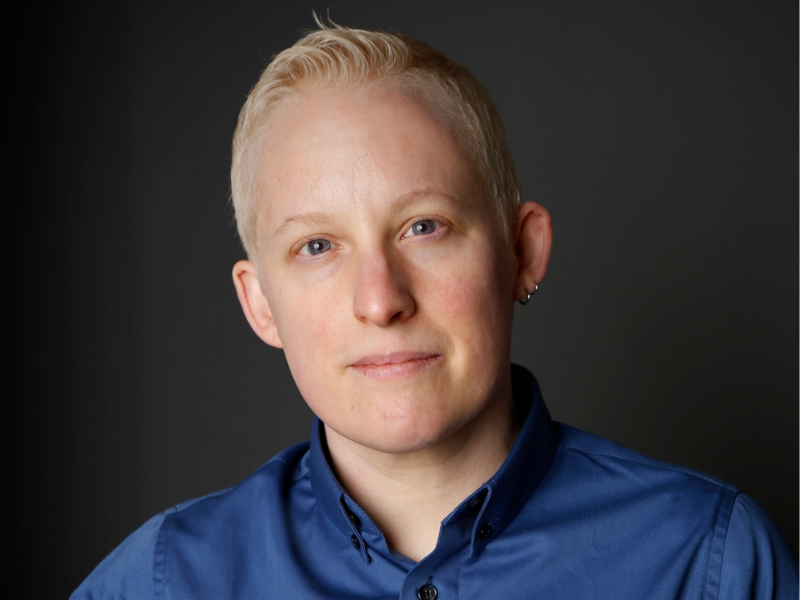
(396, 364)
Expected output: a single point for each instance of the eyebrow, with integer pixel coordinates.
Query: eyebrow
(313, 218)
(413, 196)
(318, 218)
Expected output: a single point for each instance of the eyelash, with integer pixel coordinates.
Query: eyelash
(309, 243)
(327, 244)
(436, 225)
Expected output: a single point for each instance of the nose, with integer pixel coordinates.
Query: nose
(382, 295)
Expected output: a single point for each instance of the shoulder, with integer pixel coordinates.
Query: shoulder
(616, 464)
(128, 571)
(613, 487)
(133, 569)
(756, 561)
(723, 531)
(264, 487)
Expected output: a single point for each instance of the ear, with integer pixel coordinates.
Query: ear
(533, 239)
(254, 302)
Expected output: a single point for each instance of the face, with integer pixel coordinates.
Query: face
(385, 276)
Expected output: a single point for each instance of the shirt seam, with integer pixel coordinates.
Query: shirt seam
(711, 549)
(182, 507)
(658, 465)
(160, 556)
(724, 544)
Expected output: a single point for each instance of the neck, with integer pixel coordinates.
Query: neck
(407, 495)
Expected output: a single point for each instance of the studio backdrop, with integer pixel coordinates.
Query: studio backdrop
(661, 135)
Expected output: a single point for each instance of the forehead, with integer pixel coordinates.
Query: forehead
(354, 149)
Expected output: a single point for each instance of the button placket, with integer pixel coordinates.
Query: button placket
(356, 539)
(483, 528)
(477, 502)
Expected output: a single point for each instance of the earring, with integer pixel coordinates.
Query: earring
(524, 300)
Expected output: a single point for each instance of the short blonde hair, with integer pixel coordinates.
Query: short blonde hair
(343, 57)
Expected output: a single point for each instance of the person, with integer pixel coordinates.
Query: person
(387, 244)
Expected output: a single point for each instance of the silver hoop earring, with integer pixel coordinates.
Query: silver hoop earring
(524, 300)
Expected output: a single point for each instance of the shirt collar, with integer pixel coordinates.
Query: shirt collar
(497, 502)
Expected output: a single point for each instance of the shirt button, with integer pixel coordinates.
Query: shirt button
(356, 543)
(485, 532)
(354, 519)
(427, 592)
(477, 501)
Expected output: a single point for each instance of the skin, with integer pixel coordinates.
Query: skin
(390, 287)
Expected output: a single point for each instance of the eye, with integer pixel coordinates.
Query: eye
(315, 247)
(423, 227)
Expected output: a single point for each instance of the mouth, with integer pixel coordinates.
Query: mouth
(396, 364)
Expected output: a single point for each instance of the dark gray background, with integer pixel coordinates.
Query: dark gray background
(662, 136)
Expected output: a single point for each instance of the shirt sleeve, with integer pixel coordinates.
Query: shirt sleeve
(757, 561)
(126, 573)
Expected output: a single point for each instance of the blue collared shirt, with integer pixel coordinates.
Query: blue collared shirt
(568, 515)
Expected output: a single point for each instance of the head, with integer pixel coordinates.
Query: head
(384, 255)
(350, 58)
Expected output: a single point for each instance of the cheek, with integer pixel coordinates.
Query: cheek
(307, 330)
(473, 300)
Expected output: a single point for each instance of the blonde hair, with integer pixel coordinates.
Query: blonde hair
(343, 57)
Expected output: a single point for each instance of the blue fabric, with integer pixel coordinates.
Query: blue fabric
(568, 515)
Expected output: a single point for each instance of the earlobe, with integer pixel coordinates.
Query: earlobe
(533, 239)
(254, 303)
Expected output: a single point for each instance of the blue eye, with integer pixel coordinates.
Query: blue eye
(315, 247)
(424, 227)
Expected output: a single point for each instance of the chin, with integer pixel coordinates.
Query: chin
(398, 423)
(402, 437)
(390, 444)
(393, 435)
